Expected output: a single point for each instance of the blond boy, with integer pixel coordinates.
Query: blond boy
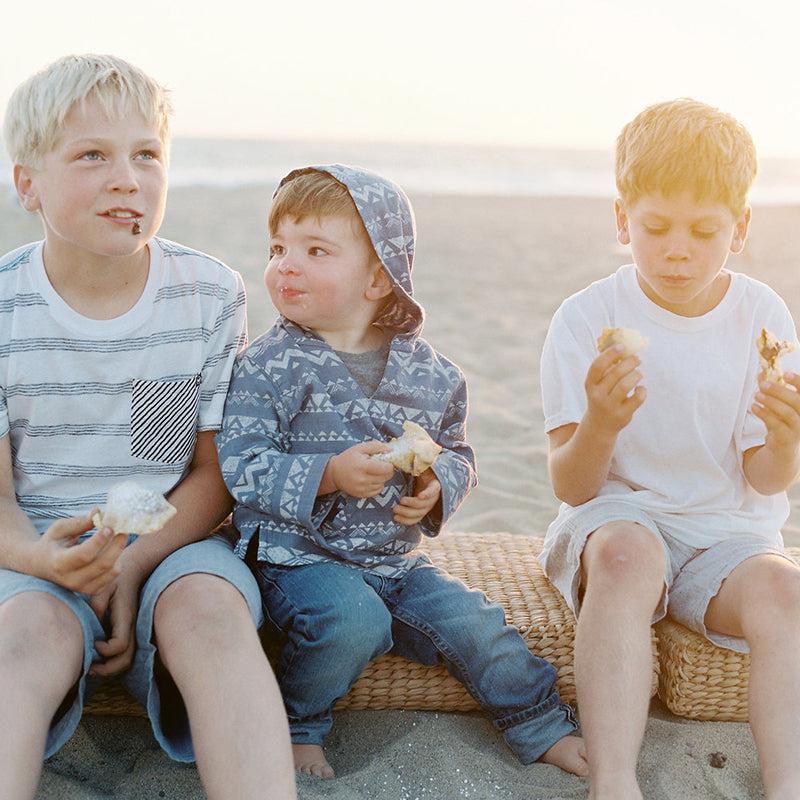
(673, 463)
(116, 354)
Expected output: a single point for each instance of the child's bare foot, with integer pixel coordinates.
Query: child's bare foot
(310, 758)
(568, 753)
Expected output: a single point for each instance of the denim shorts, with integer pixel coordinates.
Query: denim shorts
(693, 576)
(146, 679)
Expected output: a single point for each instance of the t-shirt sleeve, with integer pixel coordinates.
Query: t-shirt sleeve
(569, 349)
(4, 423)
(778, 321)
(228, 337)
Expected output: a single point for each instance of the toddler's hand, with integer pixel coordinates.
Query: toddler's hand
(779, 408)
(355, 473)
(87, 567)
(427, 491)
(609, 382)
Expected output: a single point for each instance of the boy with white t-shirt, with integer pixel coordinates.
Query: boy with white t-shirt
(673, 463)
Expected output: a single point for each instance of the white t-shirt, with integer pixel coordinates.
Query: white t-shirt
(682, 452)
(88, 403)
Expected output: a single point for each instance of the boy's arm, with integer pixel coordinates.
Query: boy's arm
(454, 467)
(580, 453)
(202, 502)
(87, 567)
(774, 466)
(253, 447)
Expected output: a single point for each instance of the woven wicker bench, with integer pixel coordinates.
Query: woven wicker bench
(505, 567)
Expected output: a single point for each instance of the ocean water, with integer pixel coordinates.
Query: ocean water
(430, 168)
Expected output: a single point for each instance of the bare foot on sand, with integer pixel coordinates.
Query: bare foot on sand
(568, 753)
(310, 758)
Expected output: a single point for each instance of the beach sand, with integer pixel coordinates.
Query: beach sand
(490, 272)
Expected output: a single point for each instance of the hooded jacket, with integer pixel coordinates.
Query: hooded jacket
(293, 404)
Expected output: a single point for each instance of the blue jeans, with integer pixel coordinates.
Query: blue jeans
(336, 619)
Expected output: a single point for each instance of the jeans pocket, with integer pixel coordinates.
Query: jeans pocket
(164, 419)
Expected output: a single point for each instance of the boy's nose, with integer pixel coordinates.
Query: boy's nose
(123, 177)
(677, 250)
(287, 266)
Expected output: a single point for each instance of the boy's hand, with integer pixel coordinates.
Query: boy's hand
(427, 491)
(122, 598)
(778, 406)
(87, 567)
(609, 382)
(355, 473)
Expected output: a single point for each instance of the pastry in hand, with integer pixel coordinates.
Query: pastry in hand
(770, 349)
(630, 339)
(413, 452)
(130, 508)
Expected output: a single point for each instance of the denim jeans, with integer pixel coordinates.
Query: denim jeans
(335, 619)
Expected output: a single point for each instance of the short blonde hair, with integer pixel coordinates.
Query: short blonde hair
(38, 107)
(686, 145)
(313, 194)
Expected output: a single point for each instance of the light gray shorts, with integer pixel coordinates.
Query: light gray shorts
(692, 577)
(146, 679)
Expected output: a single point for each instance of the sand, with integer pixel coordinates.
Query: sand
(490, 272)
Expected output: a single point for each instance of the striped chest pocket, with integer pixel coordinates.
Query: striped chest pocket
(164, 419)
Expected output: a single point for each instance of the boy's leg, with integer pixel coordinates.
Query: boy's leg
(760, 601)
(200, 609)
(623, 572)
(44, 650)
(438, 618)
(335, 624)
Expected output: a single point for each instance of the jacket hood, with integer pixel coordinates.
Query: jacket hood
(389, 220)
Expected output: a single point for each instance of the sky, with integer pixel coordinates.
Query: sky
(565, 73)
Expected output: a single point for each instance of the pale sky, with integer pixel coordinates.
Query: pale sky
(563, 73)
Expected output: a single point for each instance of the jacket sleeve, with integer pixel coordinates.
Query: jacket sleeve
(254, 453)
(455, 465)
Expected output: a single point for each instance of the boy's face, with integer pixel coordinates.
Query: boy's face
(101, 175)
(680, 246)
(322, 275)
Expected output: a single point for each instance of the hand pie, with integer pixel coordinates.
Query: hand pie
(130, 508)
(413, 452)
(770, 349)
(631, 340)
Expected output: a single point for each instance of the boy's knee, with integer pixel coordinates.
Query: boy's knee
(352, 625)
(774, 601)
(202, 604)
(35, 629)
(625, 554)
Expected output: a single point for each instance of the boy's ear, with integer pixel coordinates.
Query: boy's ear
(23, 182)
(381, 284)
(740, 231)
(621, 216)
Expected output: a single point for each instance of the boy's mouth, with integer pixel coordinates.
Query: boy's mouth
(122, 216)
(290, 293)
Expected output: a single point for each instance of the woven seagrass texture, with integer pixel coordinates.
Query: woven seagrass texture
(505, 567)
(699, 680)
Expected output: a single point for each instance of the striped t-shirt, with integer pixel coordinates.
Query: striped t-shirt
(88, 403)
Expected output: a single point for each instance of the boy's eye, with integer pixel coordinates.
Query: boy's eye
(317, 251)
(147, 155)
(655, 231)
(91, 155)
(275, 250)
(704, 234)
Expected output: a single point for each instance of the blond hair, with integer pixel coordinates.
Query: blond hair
(38, 107)
(686, 145)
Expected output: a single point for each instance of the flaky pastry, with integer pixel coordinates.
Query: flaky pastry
(130, 508)
(413, 452)
(770, 349)
(630, 339)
